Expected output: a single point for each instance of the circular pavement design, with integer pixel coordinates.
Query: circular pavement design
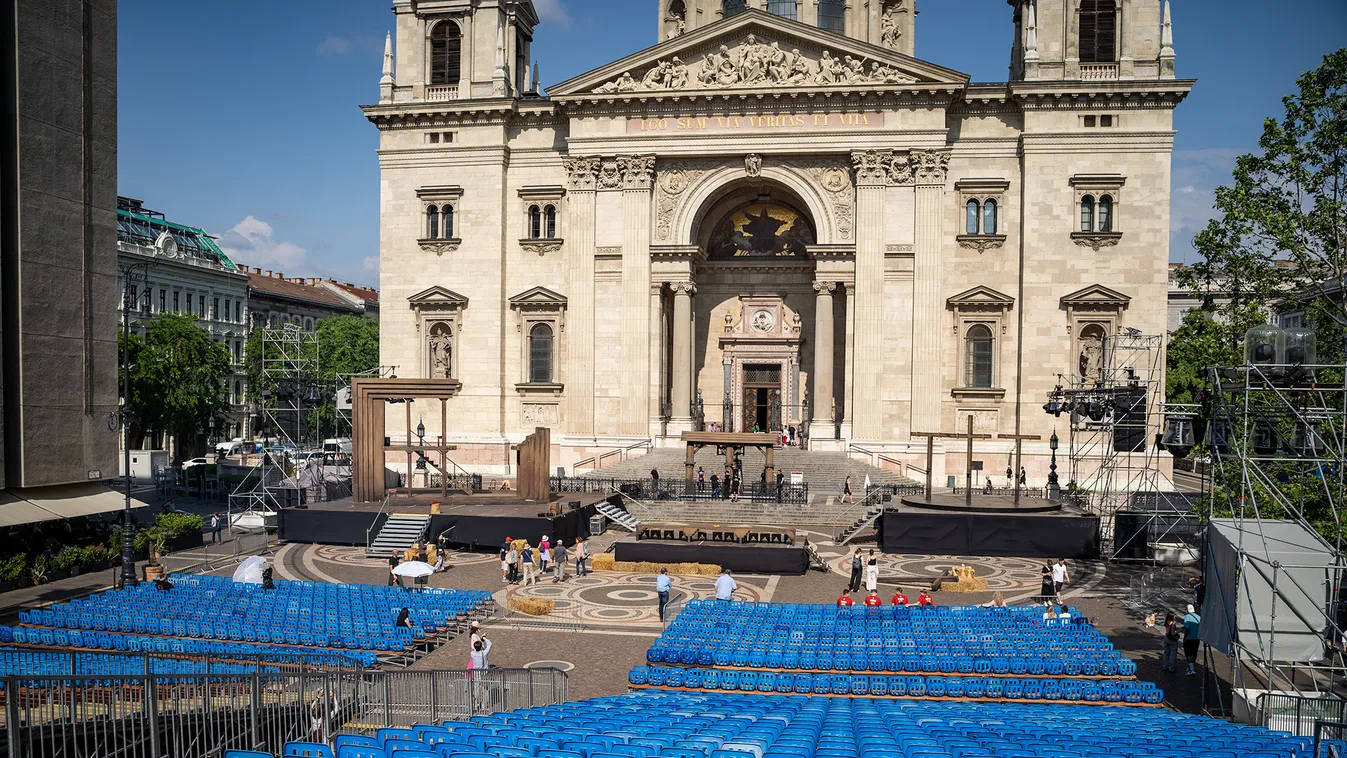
(558, 665)
(620, 599)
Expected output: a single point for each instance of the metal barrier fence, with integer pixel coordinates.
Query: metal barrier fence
(649, 490)
(93, 662)
(1325, 730)
(201, 716)
(1298, 715)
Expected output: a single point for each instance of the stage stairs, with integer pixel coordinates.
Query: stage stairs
(399, 532)
(618, 516)
(871, 509)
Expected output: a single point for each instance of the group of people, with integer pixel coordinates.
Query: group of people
(521, 561)
(1055, 577)
(419, 552)
(873, 600)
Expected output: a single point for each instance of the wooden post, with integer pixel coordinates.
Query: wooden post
(930, 461)
(444, 450)
(771, 469)
(691, 461)
(968, 474)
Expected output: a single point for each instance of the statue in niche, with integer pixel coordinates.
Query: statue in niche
(440, 348)
(1091, 356)
(753, 165)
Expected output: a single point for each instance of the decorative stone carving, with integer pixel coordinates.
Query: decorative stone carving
(673, 180)
(822, 287)
(981, 242)
(872, 166)
(440, 246)
(753, 165)
(1096, 240)
(541, 414)
(757, 63)
(581, 172)
(439, 347)
(637, 171)
(610, 175)
(540, 246)
(686, 288)
(833, 175)
(890, 33)
(929, 166)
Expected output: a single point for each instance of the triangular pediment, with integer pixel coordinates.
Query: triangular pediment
(1096, 294)
(437, 297)
(980, 295)
(538, 296)
(757, 50)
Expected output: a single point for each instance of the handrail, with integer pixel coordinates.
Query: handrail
(883, 457)
(370, 528)
(597, 460)
(863, 507)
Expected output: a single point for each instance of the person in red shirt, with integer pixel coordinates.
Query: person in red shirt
(872, 600)
(899, 598)
(845, 599)
(925, 599)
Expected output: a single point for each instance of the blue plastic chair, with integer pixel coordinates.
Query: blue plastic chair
(307, 750)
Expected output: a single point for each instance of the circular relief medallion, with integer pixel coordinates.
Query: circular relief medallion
(673, 182)
(763, 321)
(835, 180)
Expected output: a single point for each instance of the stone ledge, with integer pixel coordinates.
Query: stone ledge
(1096, 240)
(440, 246)
(996, 393)
(540, 389)
(981, 242)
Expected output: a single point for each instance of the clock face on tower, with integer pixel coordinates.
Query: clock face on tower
(763, 320)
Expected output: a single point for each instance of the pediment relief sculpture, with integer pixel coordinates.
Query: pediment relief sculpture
(756, 63)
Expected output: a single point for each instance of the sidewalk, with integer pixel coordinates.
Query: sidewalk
(187, 561)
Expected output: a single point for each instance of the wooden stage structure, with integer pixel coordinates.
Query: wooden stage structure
(733, 444)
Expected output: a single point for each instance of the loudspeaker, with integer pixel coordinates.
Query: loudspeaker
(1129, 413)
(1130, 536)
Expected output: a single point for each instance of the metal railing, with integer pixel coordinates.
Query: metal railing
(95, 662)
(684, 491)
(599, 461)
(1297, 714)
(167, 716)
(874, 458)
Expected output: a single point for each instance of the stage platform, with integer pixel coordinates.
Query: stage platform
(472, 520)
(991, 527)
(750, 558)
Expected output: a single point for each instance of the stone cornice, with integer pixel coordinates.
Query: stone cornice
(1133, 94)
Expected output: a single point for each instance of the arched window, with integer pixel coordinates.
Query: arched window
(1105, 213)
(783, 8)
(832, 16)
(308, 324)
(989, 217)
(535, 222)
(971, 217)
(432, 223)
(448, 225)
(733, 7)
(446, 53)
(1098, 31)
(978, 356)
(550, 222)
(1087, 213)
(540, 354)
(238, 391)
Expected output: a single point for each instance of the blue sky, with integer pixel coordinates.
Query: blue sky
(242, 117)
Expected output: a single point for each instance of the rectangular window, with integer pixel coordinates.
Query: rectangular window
(163, 300)
(201, 306)
(215, 309)
(238, 319)
(176, 305)
(1089, 120)
(433, 138)
(1106, 121)
(189, 303)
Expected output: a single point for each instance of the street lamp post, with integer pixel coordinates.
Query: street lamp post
(130, 273)
(1054, 492)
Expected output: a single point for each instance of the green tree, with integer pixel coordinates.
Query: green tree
(177, 375)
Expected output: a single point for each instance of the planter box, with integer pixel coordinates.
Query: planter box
(184, 542)
(152, 573)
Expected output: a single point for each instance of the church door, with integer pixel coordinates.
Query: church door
(762, 398)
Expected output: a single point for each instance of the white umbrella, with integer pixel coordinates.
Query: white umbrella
(250, 571)
(414, 569)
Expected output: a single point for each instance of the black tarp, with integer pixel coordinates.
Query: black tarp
(750, 558)
(989, 534)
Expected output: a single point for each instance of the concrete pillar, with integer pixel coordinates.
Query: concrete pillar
(929, 319)
(849, 365)
(580, 210)
(872, 176)
(822, 398)
(657, 343)
(681, 391)
(637, 173)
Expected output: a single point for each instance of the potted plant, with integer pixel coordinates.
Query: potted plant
(13, 570)
(40, 571)
(157, 539)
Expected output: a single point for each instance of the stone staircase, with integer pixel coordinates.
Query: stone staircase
(399, 532)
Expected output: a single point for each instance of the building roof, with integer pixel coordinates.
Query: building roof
(370, 297)
(271, 284)
(139, 225)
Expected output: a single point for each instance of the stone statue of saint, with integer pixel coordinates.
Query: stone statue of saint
(1091, 357)
(440, 355)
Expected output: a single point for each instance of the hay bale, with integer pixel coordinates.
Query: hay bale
(602, 562)
(533, 606)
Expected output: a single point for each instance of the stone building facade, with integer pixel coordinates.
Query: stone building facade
(775, 217)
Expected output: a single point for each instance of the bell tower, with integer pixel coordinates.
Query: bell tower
(889, 23)
(1092, 40)
(460, 50)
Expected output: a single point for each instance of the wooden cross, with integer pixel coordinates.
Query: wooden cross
(968, 473)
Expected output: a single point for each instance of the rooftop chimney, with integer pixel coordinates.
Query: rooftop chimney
(267, 272)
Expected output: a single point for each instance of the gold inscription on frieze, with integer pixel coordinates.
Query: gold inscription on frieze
(782, 123)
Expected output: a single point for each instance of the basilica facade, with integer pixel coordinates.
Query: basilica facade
(774, 217)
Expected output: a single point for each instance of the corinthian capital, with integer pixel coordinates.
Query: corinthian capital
(872, 167)
(580, 172)
(929, 166)
(637, 171)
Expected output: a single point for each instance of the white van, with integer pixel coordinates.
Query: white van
(338, 445)
(230, 447)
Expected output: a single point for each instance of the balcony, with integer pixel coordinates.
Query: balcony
(1098, 71)
(439, 93)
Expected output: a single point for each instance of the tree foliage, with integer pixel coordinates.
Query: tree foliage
(177, 376)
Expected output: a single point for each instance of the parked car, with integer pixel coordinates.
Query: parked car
(196, 462)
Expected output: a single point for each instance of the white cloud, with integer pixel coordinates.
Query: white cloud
(1196, 175)
(253, 242)
(334, 46)
(553, 11)
(371, 265)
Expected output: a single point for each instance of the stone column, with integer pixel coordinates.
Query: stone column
(580, 210)
(849, 378)
(637, 172)
(872, 177)
(681, 391)
(929, 319)
(822, 396)
(657, 343)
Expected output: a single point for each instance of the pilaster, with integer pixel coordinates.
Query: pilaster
(637, 173)
(823, 357)
(929, 168)
(657, 352)
(681, 391)
(872, 176)
(581, 174)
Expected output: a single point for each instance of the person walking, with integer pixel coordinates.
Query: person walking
(1191, 623)
(526, 559)
(505, 562)
(857, 570)
(715, 486)
(392, 564)
(559, 562)
(1047, 591)
(872, 573)
(581, 553)
(215, 526)
(654, 479)
(512, 558)
(780, 477)
(1060, 578)
(544, 555)
(662, 586)
(1024, 478)
(725, 586)
(847, 499)
(1169, 660)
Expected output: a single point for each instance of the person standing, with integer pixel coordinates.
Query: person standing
(872, 573)
(477, 659)
(725, 586)
(762, 480)
(662, 586)
(654, 478)
(504, 561)
(393, 564)
(715, 486)
(1191, 623)
(512, 558)
(559, 562)
(215, 527)
(1169, 661)
(701, 479)
(526, 559)
(780, 477)
(847, 499)
(581, 553)
(544, 555)
(857, 569)
(1048, 591)
(1060, 578)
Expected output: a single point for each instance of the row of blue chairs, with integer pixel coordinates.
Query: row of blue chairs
(1078, 663)
(1012, 688)
(48, 663)
(131, 643)
(720, 725)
